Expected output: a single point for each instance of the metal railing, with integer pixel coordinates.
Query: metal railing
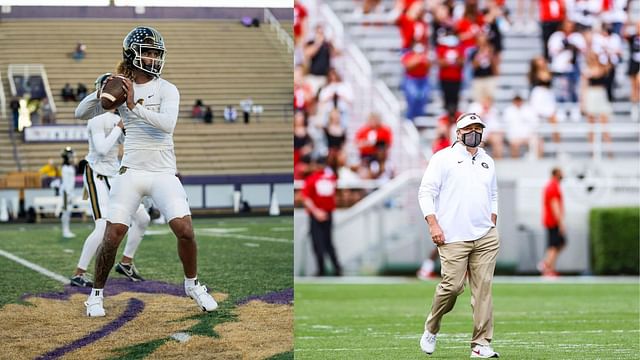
(282, 34)
(27, 70)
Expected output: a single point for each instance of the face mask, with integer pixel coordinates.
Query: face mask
(472, 139)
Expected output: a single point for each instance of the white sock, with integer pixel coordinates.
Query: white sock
(190, 282)
(91, 244)
(428, 265)
(96, 292)
(66, 217)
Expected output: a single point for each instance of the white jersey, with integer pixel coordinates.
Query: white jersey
(68, 178)
(148, 143)
(104, 137)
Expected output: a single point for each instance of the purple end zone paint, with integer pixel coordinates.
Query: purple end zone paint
(134, 308)
(277, 297)
(115, 287)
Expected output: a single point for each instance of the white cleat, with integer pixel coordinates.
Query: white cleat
(94, 306)
(68, 235)
(483, 352)
(204, 300)
(428, 342)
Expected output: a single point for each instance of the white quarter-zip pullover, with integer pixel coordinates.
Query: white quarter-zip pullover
(461, 190)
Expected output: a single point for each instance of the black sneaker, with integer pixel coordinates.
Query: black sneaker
(81, 280)
(129, 271)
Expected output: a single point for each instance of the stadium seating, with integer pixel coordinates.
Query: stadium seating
(220, 62)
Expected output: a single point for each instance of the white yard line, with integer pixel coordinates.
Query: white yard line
(245, 237)
(393, 280)
(35, 267)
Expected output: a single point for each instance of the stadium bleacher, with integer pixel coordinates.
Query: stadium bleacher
(218, 61)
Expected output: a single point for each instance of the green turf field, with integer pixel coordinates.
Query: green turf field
(531, 321)
(240, 257)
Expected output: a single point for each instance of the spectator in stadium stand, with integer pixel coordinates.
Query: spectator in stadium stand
(525, 22)
(300, 15)
(197, 111)
(319, 198)
(412, 25)
(443, 129)
(208, 115)
(67, 93)
(553, 221)
(493, 134)
(47, 112)
(318, 53)
(415, 83)
(608, 45)
(496, 24)
(335, 135)
(81, 92)
(593, 100)
(230, 114)
(450, 60)
(303, 96)
(441, 22)
(584, 13)
(634, 70)
(336, 94)
(49, 170)
(373, 140)
(246, 105)
(369, 7)
(520, 122)
(614, 14)
(552, 13)
(468, 28)
(542, 99)
(565, 49)
(80, 52)
(485, 69)
(14, 105)
(302, 143)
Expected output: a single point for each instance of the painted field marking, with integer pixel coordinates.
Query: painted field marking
(35, 267)
(397, 280)
(208, 232)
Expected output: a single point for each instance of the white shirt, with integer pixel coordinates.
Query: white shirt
(521, 121)
(561, 57)
(68, 173)
(461, 192)
(148, 143)
(104, 137)
(616, 14)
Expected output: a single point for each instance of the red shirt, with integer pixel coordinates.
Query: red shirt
(551, 191)
(412, 30)
(372, 137)
(465, 25)
(453, 70)
(421, 69)
(440, 143)
(299, 14)
(320, 187)
(551, 10)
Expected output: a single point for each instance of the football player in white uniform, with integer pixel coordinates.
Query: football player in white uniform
(148, 167)
(105, 135)
(68, 182)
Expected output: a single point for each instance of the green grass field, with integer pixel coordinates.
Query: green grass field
(240, 257)
(531, 321)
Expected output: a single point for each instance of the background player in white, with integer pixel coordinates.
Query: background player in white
(68, 175)
(105, 135)
(148, 167)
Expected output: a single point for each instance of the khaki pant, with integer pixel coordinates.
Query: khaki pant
(478, 260)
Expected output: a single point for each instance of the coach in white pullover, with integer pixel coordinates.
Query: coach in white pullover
(459, 200)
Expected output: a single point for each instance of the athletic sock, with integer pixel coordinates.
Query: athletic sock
(190, 281)
(96, 292)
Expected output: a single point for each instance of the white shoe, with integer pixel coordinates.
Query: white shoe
(484, 352)
(94, 306)
(428, 342)
(68, 235)
(201, 296)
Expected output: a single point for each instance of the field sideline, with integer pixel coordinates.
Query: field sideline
(383, 318)
(245, 262)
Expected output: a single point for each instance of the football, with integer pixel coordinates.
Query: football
(113, 94)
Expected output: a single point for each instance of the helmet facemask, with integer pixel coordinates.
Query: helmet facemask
(154, 67)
